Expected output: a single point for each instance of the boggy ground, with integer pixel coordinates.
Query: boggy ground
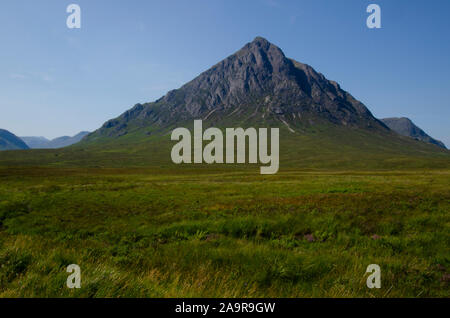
(225, 233)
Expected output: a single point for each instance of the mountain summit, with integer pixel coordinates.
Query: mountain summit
(257, 84)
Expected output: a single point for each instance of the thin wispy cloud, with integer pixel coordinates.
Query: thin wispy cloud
(44, 77)
(47, 78)
(18, 76)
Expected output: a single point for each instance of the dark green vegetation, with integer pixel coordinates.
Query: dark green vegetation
(186, 233)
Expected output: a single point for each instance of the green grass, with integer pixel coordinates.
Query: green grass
(321, 147)
(139, 226)
(223, 232)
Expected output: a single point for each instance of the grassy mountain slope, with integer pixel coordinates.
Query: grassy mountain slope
(329, 147)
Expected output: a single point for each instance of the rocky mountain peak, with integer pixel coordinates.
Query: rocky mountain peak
(261, 53)
(257, 83)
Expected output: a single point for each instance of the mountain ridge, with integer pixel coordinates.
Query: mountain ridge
(59, 142)
(9, 141)
(405, 127)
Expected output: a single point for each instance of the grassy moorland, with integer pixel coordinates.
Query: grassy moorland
(142, 232)
(138, 225)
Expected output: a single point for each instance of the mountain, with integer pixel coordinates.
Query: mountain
(66, 140)
(321, 125)
(256, 84)
(9, 141)
(405, 127)
(36, 142)
(60, 142)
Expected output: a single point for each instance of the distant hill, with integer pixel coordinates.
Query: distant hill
(9, 141)
(60, 142)
(405, 127)
(36, 142)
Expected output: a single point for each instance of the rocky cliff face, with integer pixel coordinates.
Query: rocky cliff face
(405, 127)
(258, 83)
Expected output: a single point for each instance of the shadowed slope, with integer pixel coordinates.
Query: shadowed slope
(9, 141)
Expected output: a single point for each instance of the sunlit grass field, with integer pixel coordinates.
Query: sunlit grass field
(223, 233)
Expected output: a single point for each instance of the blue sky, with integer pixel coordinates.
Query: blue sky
(57, 81)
